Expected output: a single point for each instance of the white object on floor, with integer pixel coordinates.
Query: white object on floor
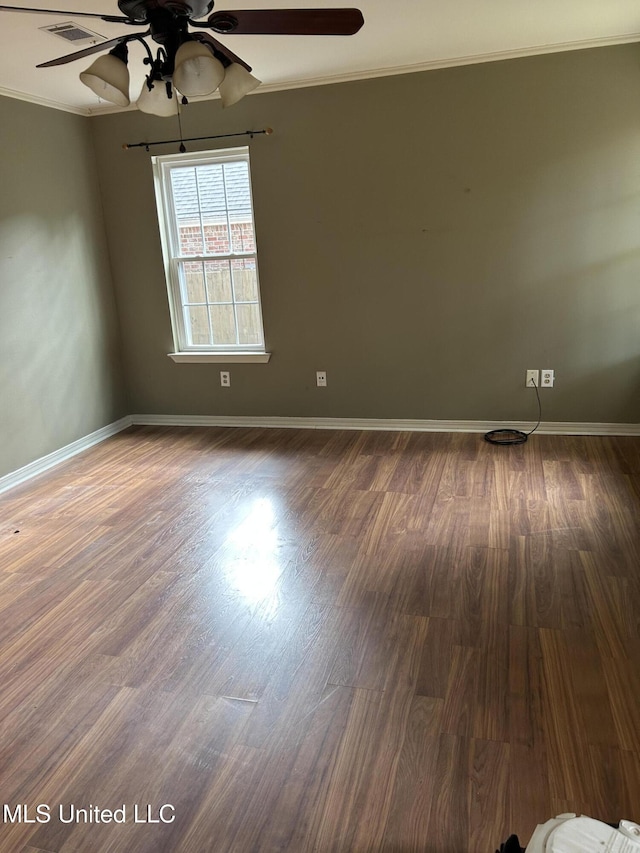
(568, 833)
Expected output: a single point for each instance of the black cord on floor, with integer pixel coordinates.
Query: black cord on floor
(514, 436)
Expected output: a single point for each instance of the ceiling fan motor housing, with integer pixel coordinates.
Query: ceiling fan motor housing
(142, 10)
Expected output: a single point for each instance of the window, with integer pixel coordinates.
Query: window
(208, 239)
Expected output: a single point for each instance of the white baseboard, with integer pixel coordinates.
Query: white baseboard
(39, 466)
(390, 424)
(43, 464)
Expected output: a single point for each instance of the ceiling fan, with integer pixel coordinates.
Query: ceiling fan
(188, 59)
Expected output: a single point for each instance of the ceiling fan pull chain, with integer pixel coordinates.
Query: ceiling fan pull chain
(182, 147)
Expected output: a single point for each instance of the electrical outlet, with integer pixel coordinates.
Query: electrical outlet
(225, 378)
(321, 378)
(547, 378)
(533, 378)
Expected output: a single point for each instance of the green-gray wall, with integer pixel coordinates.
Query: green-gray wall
(60, 366)
(423, 238)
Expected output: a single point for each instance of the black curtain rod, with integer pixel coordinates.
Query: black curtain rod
(268, 131)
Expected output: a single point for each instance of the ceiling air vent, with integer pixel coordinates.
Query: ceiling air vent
(71, 32)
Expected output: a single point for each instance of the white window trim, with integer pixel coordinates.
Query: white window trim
(184, 354)
(220, 357)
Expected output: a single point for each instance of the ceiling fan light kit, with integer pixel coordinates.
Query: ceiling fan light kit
(108, 77)
(197, 71)
(195, 65)
(237, 83)
(157, 100)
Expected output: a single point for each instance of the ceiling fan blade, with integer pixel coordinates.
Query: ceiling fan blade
(116, 19)
(294, 22)
(220, 48)
(95, 48)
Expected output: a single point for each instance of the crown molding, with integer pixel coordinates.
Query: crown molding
(396, 70)
(453, 62)
(42, 102)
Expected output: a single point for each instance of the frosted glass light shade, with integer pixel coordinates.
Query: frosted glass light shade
(197, 71)
(236, 84)
(155, 102)
(108, 77)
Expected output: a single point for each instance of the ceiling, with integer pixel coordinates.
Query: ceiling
(399, 36)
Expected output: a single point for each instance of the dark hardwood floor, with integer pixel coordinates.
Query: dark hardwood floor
(319, 641)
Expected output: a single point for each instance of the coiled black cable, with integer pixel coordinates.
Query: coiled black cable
(514, 436)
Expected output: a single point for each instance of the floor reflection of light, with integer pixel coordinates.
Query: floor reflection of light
(252, 566)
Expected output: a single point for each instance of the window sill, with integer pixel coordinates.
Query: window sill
(220, 357)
